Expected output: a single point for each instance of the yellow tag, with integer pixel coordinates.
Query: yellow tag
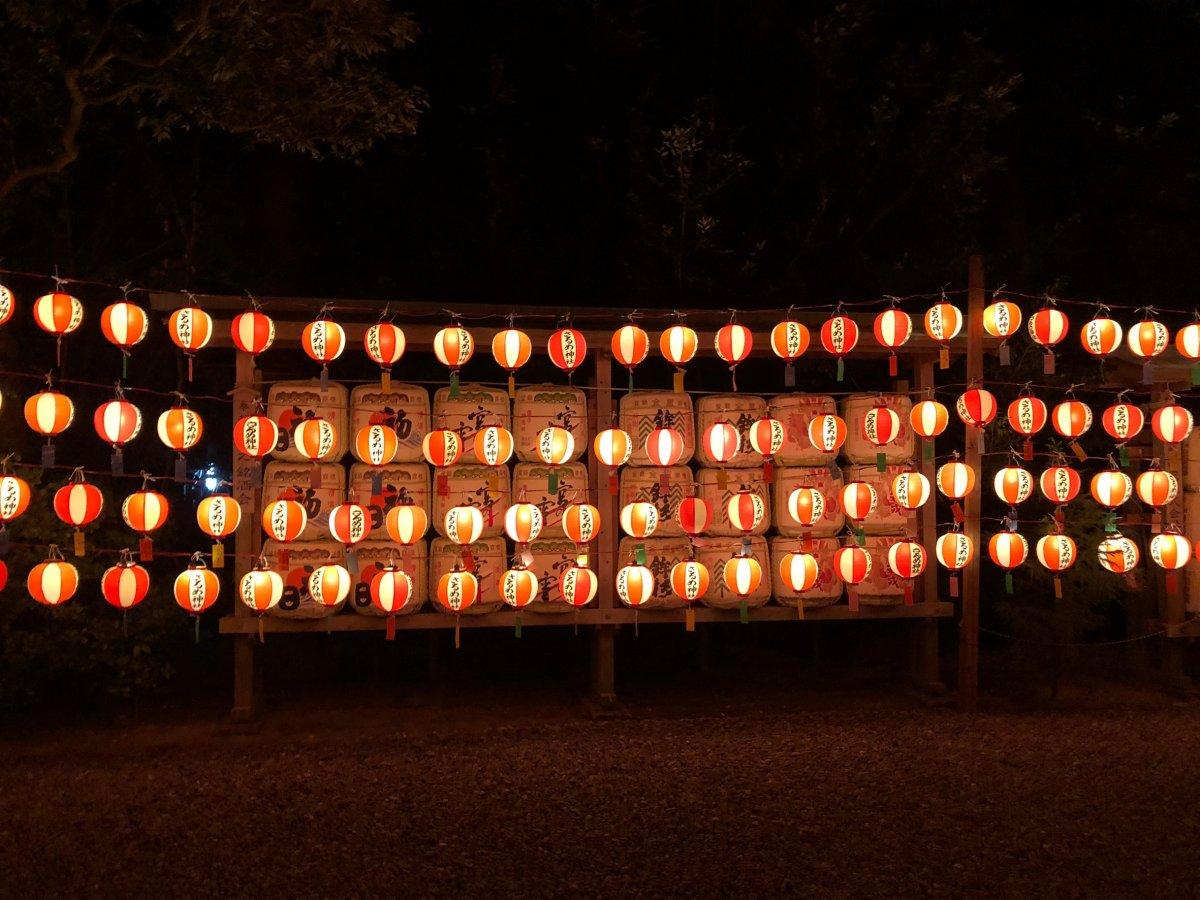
(80, 548)
(385, 382)
(944, 358)
(679, 382)
(1057, 588)
(1079, 452)
(722, 479)
(512, 385)
(689, 619)
(218, 556)
(800, 609)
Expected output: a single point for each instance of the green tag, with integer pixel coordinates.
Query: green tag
(1110, 523)
(1008, 585)
(631, 381)
(881, 462)
(1123, 456)
(1196, 374)
(860, 536)
(552, 482)
(841, 369)
(453, 384)
(744, 612)
(517, 629)
(640, 553)
(928, 449)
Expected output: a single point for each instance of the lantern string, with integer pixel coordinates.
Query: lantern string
(104, 473)
(108, 387)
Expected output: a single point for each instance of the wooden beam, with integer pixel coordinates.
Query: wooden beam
(247, 540)
(603, 636)
(926, 667)
(968, 623)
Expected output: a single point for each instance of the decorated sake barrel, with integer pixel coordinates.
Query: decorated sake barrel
(715, 553)
(662, 553)
(859, 447)
(293, 481)
(490, 556)
(302, 559)
(406, 484)
(828, 589)
(717, 497)
(405, 409)
(475, 408)
(537, 407)
(551, 557)
(819, 477)
(643, 411)
(485, 487)
(888, 517)
(882, 587)
(664, 488)
(372, 557)
(739, 410)
(289, 402)
(534, 480)
(795, 411)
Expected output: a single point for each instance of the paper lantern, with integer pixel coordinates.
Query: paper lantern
(1123, 421)
(376, 445)
(349, 523)
(767, 437)
(929, 418)
(406, 524)
(1101, 336)
(689, 580)
(906, 559)
(678, 345)
(1171, 424)
(910, 490)
(511, 348)
(664, 447)
(145, 511)
(323, 340)
(880, 425)
(742, 575)
(180, 428)
(581, 522)
(1118, 554)
(8, 304)
(315, 439)
(1027, 415)
(956, 479)
(1187, 342)
(196, 588)
(384, 344)
(1002, 319)
(57, 313)
(976, 407)
(1170, 551)
(493, 445)
(284, 520)
(798, 572)
(639, 519)
(441, 447)
(518, 588)
(1060, 484)
(567, 349)
(330, 584)
(852, 564)
(722, 442)
(261, 589)
(954, 550)
(635, 585)
(463, 524)
(391, 589)
(255, 436)
(14, 497)
(53, 582)
(827, 433)
(1156, 488)
(630, 344)
(694, 515)
(613, 447)
(578, 585)
(190, 329)
(453, 347)
(1111, 488)
(1057, 552)
(523, 522)
(49, 413)
(3, 567)
(555, 446)
(893, 328)
(1147, 339)
(790, 340)
(118, 422)
(1071, 419)
(839, 335)
(859, 500)
(124, 325)
(457, 590)
(1013, 485)
(806, 506)
(1048, 326)
(745, 510)
(252, 331)
(218, 515)
(124, 585)
(1008, 549)
(733, 344)
(943, 322)
(78, 504)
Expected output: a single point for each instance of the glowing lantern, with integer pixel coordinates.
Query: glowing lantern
(1170, 550)
(7, 304)
(799, 572)
(1118, 553)
(124, 325)
(1187, 342)
(581, 522)
(180, 429)
(1111, 489)
(1071, 419)
(1057, 552)
(839, 335)
(53, 582)
(827, 433)
(463, 524)
(639, 519)
(218, 516)
(1147, 339)
(906, 559)
(1008, 549)
(1013, 485)
(315, 439)
(929, 418)
(406, 524)
(630, 345)
(196, 588)
(1027, 416)
(330, 584)
(956, 479)
(252, 331)
(284, 520)
(49, 413)
(555, 445)
(742, 575)
(678, 345)
(1060, 484)
(376, 445)
(613, 447)
(1156, 488)
(190, 329)
(859, 500)
(954, 550)
(689, 580)
(1002, 319)
(943, 322)
(323, 340)
(1101, 336)
(14, 497)
(664, 447)
(976, 407)
(1123, 421)
(58, 314)
(349, 523)
(745, 510)
(635, 585)
(261, 589)
(441, 447)
(453, 347)
(384, 344)
(880, 425)
(78, 504)
(806, 506)
(767, 437)
(511, 348)
(523, 522)
(852, 565)
(1171, 424)
(118, 422)
(124, 585)
(518, 587)
(722, 442)
(457, 590)
(694, 516)
(789, 341)
(255, 436)
(893, 328)
(493, 445)
(391, 590)
(567, 349)
(1048, 326)
(733, 343)
(910, 490)
(578, 585)
(145, 511)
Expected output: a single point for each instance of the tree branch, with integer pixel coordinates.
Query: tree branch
(69, 141)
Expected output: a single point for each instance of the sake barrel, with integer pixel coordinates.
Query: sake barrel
(795, 411)
(647, 485)
(476, 407)
(882, 587)
(490, 556)
(717, 498)
(858, 448)
(405, 409)
(408, 483)
(288, 402)
(486, 487)
(372, 557)
(296, 602)
(534, 480)
(889, 517)
(662, 553)
(828, 589)
(643, 411)
(293, 481)
(544, 405)
(791, 477)
(739, 410)
(551, 557)
(715, 553)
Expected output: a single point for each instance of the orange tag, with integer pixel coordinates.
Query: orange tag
(80, 547)
(1078, 451)
(218, 556)
(800, 609)
(385, 381)
(689, 619)
(679, 381)
(944, 358)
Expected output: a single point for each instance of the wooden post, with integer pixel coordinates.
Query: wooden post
(246, 543)
(926, 672)
(968, 623)
(605, 563)
(1172, 607)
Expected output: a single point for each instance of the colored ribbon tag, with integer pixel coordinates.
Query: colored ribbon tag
(314, 477)
(352, 562)
(1080, 453)
(944, 358)
(678, 381)
(841, 369)
(47, 456)
(630, 390)
(1008, 583)
(283, 557)
(722, 479)
(928, 451)
(1172, 584)
(468, 559)
(376, 483)
(324, 377)
(385, 381)
(1123, 456)
(1048, 363)
(181, 469)
(1057, 588)
(860, 536)
(1196, 374)
(908, 593)
(218, 555)
(957, 511)
(1027, 449)
(800, 609)
(552, 482)
(893, 366)
(517, 627)
(117, 462)
(614, 486)
(640, 553)
(881, 462)
(1110, 523)
(744, 612)
(1003, 353)
(789, 375)
(80, 547)
(689, 619)
(145, 550)
(453, 385)
(443, 484)
(954, 587)
(852, 599)
(390, 634)
(512, 385)
(745, 546)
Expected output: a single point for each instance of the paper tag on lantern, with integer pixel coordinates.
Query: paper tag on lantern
(630, 390)
(640, 554)
(957, 511)
(262, 638)
(664, 482)
(860, 536)
(744, 612)
(689, 619)
(1196, 374)
(352, 562)
(117, 462)
(982, 436)
(908, 593)
(517, 627)
(552, 481)
(1057, 588)
(1110, 523)
(954, 587)
(852, 598)
(1008, 583)
(526, 556)
(678, 381)
(1123, 456)
(376, 483)
(944, 358)
(457, 633)
(390, 633)
(745, 546)
(453, 385)
(324, 377)
(468, 559)
(841, 370)
(800, 609)
(722, 479)
(283, 557)
(881, 462)
(614, 485)
(1002, 352)
(1147, 374)
(1048, 363)
(191, 366)
(806, 541)
(47, 456)
(80, 546)
(181, 469)
(385, 385)
(145, 550)
(512, 385)
(1156, 522)
(1027, 449)
(1060, 515)
(218, 555)
(789, 375)
(1172, 584)
(893, 366)
(443, 484)
(1080, 453)
(314, 477)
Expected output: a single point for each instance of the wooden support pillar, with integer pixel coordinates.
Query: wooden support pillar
(925, 667)
(1172, 606)
(605, 562)
(968, 623)
(247, 542)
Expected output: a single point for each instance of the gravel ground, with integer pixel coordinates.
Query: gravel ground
(830, 794)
